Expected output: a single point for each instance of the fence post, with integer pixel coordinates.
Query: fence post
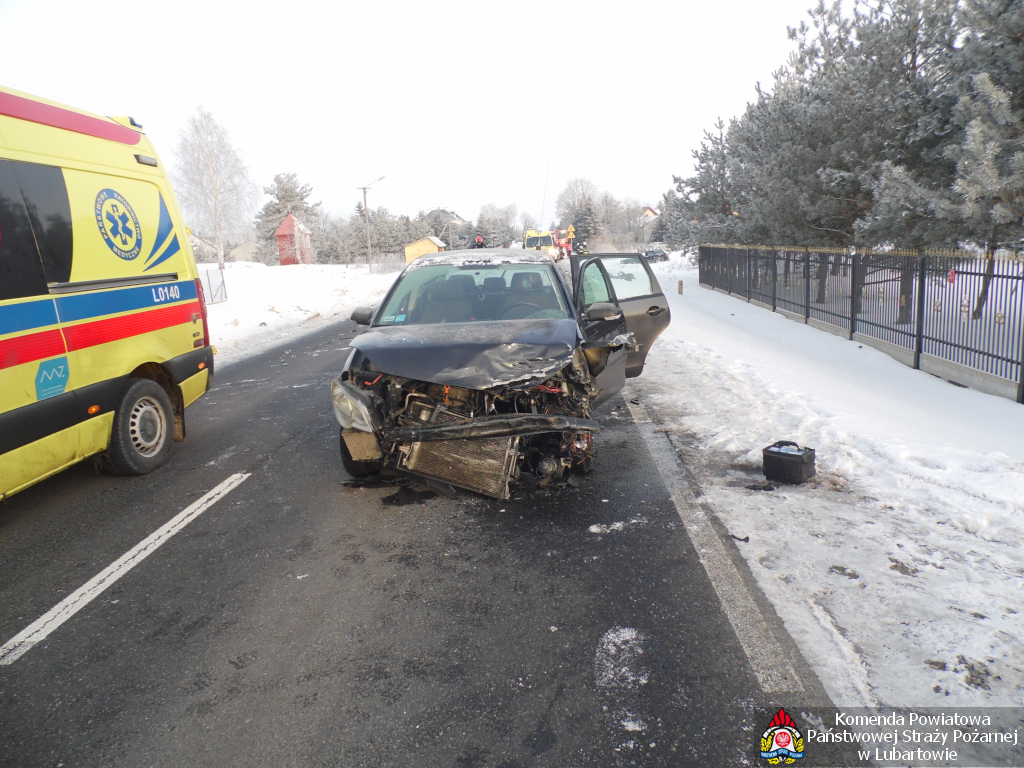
(919, 344)
(732, 269)
(1020, 370)
(748, 275)
(807, 286)
(854, 300)
(726, 277)
(775, 283)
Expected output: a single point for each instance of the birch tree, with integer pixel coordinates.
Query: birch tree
(212, 182)
(571, 199)
(526, 221)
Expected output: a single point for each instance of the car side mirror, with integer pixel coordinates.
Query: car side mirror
(603, 311)
(362, 315)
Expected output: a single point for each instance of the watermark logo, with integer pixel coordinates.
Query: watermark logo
(118, 224)
(782, 743)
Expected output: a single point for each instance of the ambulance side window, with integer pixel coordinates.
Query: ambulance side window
(49, 212)
(21, 271)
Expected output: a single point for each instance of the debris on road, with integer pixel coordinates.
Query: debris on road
(786, 462)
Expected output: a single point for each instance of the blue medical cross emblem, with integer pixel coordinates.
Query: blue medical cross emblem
(119, 224)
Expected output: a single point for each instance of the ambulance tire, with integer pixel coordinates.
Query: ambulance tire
(358, 469)
(143, 429)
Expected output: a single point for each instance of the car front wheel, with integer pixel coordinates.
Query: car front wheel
(143, 429)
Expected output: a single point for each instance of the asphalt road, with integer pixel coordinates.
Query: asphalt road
(304, 622)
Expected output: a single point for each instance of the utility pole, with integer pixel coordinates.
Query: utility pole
(366, 217)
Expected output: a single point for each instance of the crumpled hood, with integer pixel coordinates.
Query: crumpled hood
(477, 355)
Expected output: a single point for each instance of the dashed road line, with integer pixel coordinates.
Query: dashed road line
(774, 672)
(38, 630)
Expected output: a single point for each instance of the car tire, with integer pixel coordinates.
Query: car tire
(355, 468)
(143, 431)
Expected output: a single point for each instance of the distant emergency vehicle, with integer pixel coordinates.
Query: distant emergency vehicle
(103, 332)
(557, 242)
(541, 239)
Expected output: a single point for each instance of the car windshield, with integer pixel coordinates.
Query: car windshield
(533, 242)
(450, 293)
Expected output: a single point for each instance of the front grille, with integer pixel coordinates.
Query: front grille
(484, 466)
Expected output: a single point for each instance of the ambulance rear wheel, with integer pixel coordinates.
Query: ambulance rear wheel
(143, 429)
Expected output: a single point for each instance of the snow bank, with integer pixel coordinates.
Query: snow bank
(269, 304)
(899, 570)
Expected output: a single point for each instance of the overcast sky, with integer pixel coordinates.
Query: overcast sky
(457, 104)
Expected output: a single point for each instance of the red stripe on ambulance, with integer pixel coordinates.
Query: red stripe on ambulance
(57, 117)
(116, 328)
(30, 347)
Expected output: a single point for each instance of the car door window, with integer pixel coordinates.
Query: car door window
(21, 271)
(628, 276)
(49, 212)
(593, 286)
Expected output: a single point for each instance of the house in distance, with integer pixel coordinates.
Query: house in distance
(293, 244)
(422, 247)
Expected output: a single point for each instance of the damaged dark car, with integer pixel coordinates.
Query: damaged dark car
(483, 368)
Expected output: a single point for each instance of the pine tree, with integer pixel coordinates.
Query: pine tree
(850, 145)
(585, 225)
(906, 68)
(287, 196)
(990, 157)
(704, 210)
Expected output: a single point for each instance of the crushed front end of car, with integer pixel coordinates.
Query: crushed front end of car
(476, 413)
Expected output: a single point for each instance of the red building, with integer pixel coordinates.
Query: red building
(293, 246)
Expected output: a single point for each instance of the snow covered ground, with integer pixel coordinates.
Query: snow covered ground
(899, 570)
(268, 305)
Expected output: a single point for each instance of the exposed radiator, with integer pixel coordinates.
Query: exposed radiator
(485, 466)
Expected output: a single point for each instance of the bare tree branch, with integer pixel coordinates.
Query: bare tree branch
(212, 183)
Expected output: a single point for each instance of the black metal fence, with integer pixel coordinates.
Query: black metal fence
(956, 306)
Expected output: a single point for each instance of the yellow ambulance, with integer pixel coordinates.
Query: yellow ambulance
(103, 332)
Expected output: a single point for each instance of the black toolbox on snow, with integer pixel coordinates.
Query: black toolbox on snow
(787, 462)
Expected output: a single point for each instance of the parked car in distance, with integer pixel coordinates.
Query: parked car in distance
(481, 368)
(655, 255)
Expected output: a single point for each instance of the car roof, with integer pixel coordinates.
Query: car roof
(482, 256)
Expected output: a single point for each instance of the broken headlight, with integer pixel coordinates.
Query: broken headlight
(353, 408)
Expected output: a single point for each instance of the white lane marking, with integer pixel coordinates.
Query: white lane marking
(770, 664)
(38, 630)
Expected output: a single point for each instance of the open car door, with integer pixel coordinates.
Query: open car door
(602, 321)
(641, 300)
